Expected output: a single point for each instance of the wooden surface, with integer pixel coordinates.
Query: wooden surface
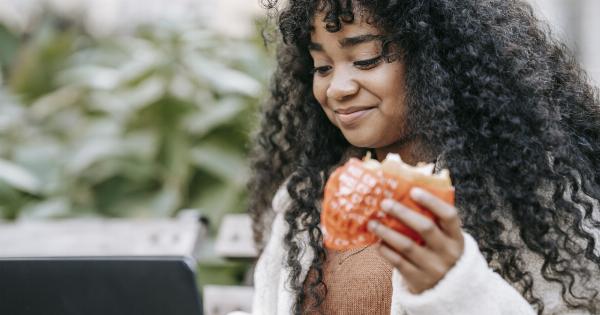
(234, 239)
(220, 300)
(101, 237)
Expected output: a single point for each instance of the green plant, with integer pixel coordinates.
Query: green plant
(141, 124)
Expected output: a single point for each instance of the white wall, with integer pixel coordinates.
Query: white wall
(577, 23)
(589, 40)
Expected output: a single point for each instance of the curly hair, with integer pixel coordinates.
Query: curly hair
(506, 106)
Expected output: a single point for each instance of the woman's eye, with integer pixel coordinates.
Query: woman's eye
(323, 70)
(368, 63)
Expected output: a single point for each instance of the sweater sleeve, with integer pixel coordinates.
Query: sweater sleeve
(469, 288)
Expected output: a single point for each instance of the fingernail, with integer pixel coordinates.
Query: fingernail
(387, 205)
(417, 193)
(371, 225)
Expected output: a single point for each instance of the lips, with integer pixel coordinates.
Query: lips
(351, 115)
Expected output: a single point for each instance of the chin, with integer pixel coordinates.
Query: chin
(360, 142)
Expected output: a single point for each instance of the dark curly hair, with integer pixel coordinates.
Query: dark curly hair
(505, 106)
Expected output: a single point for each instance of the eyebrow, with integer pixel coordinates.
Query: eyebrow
(348, 41)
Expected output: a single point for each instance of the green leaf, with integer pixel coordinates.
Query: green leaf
(224, 111)
(91, 76)
(19, 177)
(9, 45)
(55, 101)
(43, 157)
(12, 114)
(51, 208)
(128, 100)
(224, 79)
(11, 201)
(91, 152)
(215, 200)
(39, 60)
(166, 202)
(228, 165)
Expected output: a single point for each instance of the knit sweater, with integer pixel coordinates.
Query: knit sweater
(359, 281)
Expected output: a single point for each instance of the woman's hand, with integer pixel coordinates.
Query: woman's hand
(421, 266)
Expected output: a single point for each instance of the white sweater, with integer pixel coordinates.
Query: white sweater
(469, 288)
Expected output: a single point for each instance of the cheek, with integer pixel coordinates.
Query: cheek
(392, 91)
(320, 91)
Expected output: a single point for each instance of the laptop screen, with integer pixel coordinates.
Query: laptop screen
(98, 286)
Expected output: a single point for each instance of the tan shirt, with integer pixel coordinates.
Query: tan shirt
(358, 281)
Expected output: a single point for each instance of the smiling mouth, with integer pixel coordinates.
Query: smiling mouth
(350, 116)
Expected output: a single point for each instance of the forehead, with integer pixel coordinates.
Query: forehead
(359, 26)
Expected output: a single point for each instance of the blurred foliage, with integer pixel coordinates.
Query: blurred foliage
(143, 124)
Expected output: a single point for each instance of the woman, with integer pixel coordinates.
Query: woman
(479, 88)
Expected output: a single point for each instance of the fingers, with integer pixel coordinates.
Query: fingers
(447, 214)
(404, 246)
(417, 280)
(403, 265)
(416, 221)
(446, 244)
(421, 266)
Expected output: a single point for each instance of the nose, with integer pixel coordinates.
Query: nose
(341, 86)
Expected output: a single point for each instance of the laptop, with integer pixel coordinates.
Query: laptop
(162, 285)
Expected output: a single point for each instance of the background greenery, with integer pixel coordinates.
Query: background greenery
(142, 124)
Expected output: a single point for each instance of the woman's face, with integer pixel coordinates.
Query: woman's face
(361, 93)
